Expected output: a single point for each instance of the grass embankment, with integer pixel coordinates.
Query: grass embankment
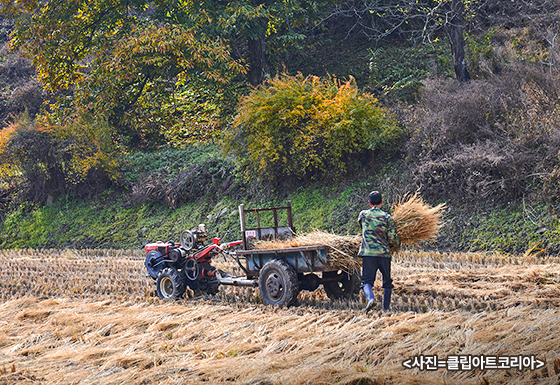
(106, 223)
(133, 217)
(91, 317)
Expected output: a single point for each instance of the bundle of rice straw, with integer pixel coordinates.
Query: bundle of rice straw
(343, 249)
(415, 222)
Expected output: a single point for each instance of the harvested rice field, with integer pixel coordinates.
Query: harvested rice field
(91, 317)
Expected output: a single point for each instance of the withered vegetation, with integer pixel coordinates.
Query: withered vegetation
(92, 317)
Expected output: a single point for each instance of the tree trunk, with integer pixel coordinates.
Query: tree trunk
(258, 66)
(457, 42)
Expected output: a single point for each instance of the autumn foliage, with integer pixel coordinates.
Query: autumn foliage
(46, 159)
(307, 127)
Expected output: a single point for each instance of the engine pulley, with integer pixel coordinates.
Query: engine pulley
(177, 254)
(187, 240)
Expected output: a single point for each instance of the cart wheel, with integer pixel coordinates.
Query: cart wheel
(278, 283)
(346, 286)
(170, 284)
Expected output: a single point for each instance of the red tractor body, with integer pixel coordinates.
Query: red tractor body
(161, 247)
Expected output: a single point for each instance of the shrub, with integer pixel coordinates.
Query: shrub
(87, 142)
(32, 154)
(490, 138)
(211, 179)
(475, 172)
(51, 160)
(306, 127)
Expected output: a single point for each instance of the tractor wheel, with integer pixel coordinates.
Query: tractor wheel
(345, 286)
(278, 283)
(212, 287)
(170, 284)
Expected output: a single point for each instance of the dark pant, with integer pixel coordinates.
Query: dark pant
(370, 265)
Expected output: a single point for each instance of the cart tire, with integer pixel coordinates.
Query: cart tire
(170, 284)
(278, 283)
(347, 286)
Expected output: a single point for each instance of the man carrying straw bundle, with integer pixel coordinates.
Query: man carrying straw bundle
(378, 237)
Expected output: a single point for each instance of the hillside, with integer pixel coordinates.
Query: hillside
(488, 148)
(143, 213)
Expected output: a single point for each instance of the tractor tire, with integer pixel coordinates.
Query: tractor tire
(278, 283)
(170, 284)
(212, 287)
(345, 287)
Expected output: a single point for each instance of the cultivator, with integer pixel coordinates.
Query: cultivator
(176, 266)
(279, 273)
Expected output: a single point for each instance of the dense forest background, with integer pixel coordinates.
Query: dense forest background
(126, 122)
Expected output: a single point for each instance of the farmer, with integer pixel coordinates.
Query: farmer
(378, 237)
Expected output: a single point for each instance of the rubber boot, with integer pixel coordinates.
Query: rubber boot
(368, 291)
(387, 300)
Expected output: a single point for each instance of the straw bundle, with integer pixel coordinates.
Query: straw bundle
(343, 250)
(415, 222)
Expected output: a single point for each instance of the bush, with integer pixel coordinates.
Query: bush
(490, 138)
(87, 141)
(211, 179)
(476, 172)
(52, 160)
(32, 156)
(306, 127)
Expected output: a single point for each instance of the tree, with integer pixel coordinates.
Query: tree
(120, 59)
(455, 30)
(420, 20)
(128, 60)
(255, 23)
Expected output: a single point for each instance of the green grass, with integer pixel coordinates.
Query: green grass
(72, 222)
(169, 160)
(110, 221)
(513, 229)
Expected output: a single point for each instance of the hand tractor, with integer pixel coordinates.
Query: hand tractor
(280, 274)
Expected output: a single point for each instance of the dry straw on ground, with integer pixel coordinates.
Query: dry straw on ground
(89, 320)
(415, 222)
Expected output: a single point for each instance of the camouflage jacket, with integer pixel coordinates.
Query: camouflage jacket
(378, 233)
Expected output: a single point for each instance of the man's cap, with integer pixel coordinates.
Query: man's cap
(375, 197)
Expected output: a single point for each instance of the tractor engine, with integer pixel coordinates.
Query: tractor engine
(174, 266)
